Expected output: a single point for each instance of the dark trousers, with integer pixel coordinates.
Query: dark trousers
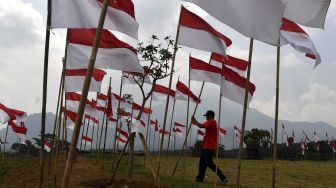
(206, 161)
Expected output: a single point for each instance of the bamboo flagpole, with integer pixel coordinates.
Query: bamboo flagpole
(81, 137)
(101, 133)
(92, 134)
(276, 116)
(86, 134)
(44, 93)
(170, 131)
(190, 125)
(106, 122)
(148, 126)
(3, 154)
(240, 154)
(167, 101)
(72, 151)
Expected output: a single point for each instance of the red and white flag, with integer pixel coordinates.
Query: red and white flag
(7, 114)
(47, 145)
(121, 137)
(317, 144)
(257, 19)
(74, 80)
(176, 124)
(178, 132)
(85, 14)
(160, 92)
(86, 140)
(112, 53)
(222, 132)
(155, 124)
(233, 86)
(204, 72)
(70, 117)
(90, 118)
(72, 102)
(309, 13)
(294, 35)
(236, 130)
(200, 134)
(303, 147)
(101, 102)
(197, 33)
(19, 130)
(183, 93)
(145, 113)
(233, 63)
(134, 78)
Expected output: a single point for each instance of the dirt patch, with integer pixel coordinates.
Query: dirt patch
(123, 183)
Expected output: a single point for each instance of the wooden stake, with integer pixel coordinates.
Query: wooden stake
(101, 134)
(170, 131)
(148, 125)
(167, 101)
(3, 154)
(86, 134)
(59, 124)
(187, 120)
(81, 136)
(93, 125)
(106, 124)
(80, 113)
(276, 117)
(44, 93)
(240, 154)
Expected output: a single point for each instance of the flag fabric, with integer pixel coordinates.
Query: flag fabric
(101, 102)
(120, 15)
(233, 63)
(7, 114)
(19, 130)
(74, 79)
(222, 131)
(47, 145)
(90, 118)
(72, 103)
(200, 134)
(70, 117)
(183, 93)
(178, 132)
(86, 140)
(160, 92)
(233, 86)
(257, 19)
(196, 33)
(122, 137)
(134, 78)
(303, 147)
(334, 147)
(109, 110)
(272, 136)
(176, 124)
(236, 130)
(204, 72)
(294, 35)
(145, 113)
(309, 13)
(112, 53)
(155, 124)
(317, 144)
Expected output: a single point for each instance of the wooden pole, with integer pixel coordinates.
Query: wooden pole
(188, 130)
(93, 125)
(81, 136)
(154, 140)
(167, 101)
(170, 130)
(3, 154)
(106, 124)
(86, 134)
(101, 134)
(276, 117)
(187, 120)
(72, 151)
(148, 125)
(44, 93)
(59, 124)
(240, 154)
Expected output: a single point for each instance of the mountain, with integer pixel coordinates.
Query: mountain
(230, 117)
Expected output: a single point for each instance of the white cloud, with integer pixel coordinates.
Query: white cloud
(291, 61)
(317, 104)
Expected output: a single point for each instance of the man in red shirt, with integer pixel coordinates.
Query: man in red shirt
(209, 147)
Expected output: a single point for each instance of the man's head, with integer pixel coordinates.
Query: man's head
(209, 114)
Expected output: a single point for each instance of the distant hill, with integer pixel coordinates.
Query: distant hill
(230, 117)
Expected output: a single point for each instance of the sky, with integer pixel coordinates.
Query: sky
(306, 94)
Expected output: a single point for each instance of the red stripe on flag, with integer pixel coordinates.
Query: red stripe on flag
(288, 25)
(201, 65)
(18, 129)
(238, 80)
(97, 74)
(179, 124)
(185, 90)
(164, 90)
(124, 5)
(230, 60)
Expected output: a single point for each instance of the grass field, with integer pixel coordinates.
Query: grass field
(255, 173)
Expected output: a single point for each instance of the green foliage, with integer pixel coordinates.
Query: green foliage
(257, 136)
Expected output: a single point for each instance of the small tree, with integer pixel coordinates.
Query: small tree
(156, 57)
(257, 137)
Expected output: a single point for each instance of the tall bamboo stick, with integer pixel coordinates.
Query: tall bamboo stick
(3, 154)
(170, 131)
(106, 124)
(72, 152)
(240, 154)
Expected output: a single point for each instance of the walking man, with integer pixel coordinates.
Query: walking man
(209, 147)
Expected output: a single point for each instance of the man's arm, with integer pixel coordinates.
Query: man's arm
(195, 122)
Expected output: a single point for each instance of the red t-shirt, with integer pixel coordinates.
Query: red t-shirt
(210, 138)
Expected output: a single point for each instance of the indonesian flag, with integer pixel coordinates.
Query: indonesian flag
(135, 78)
(200, 134)
(164, 132)
(7, 114)
(204, 72)
(109, 110)
(303, 147)
(74, 80)
(72, 102)
(176, 124)
(233, 86)
(145, 113)
(86, 140)
(272, 136)
(285, 133)
(222, 131)
(19, 130)
(155, 124)
(112, 53)
(309, 13)
(90, 118)
(294, 35)
(70, 117)
(305, 137)
(85, 14)
(257, 19)
(238, 136)
(122, 137)
(160, 92)
(183, 93)
(317, 144)
(47, 145)
(101, 102)
(197, 33)
(236, 130)
(178, 132)
(233, 63)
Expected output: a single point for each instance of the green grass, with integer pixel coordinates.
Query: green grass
(255, 173)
